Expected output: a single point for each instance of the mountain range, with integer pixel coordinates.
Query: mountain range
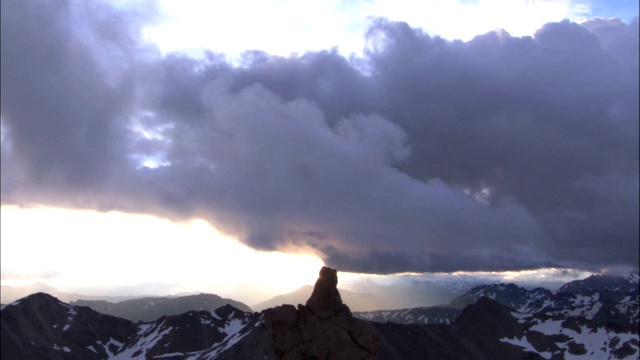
(497, 321)
(10, 294)
(152, 308)
(616, 296)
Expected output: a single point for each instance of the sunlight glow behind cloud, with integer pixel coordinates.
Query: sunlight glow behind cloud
(283, 27)
(139, 250)
(368, 169)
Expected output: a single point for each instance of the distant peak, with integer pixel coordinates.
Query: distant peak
(41, 296)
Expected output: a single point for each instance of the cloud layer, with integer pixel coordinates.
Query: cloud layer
(500, 153)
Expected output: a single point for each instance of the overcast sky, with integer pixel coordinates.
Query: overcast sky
(379, 138)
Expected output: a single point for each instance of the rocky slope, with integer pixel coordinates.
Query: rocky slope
(42, 327)
(474, 335)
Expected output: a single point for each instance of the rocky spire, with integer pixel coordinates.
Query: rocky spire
(323, 328)
(325, 299)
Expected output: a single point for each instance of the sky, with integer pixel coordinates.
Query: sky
(176, 146)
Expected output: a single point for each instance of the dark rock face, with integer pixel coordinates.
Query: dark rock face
(474, 335)
(42, 327)
(323, 328)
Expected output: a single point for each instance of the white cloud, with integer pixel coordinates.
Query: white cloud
(282, 27)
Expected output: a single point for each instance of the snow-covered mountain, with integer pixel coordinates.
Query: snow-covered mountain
(197, 335)
(533, 324)
(602, 299)
(42, 327)
(602, 305)
(575, 335)
(507, 294)
(484, 328)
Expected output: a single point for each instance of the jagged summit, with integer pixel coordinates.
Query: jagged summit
(508, 294)
(628, 283)
(323, 328)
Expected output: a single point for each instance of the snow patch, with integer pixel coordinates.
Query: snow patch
(12, 304)
(523, 343)
(150, 335)
(594, 310)
(167, 355)
(215, 316)
(521, 318)
(233, 327)
(550, 327)
(65, 349)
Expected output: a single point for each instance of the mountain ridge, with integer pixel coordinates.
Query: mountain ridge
(152, 308)
(621, 305)
(572, 325)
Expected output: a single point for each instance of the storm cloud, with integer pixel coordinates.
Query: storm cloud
(499, 153)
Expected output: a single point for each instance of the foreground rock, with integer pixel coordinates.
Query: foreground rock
(323, 328)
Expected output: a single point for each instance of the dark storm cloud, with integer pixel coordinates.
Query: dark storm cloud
(425, 155)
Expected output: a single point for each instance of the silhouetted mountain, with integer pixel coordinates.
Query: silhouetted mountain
(152, 308)
(626, 284)
(42, 327)
(10, 294)
(477, 334)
